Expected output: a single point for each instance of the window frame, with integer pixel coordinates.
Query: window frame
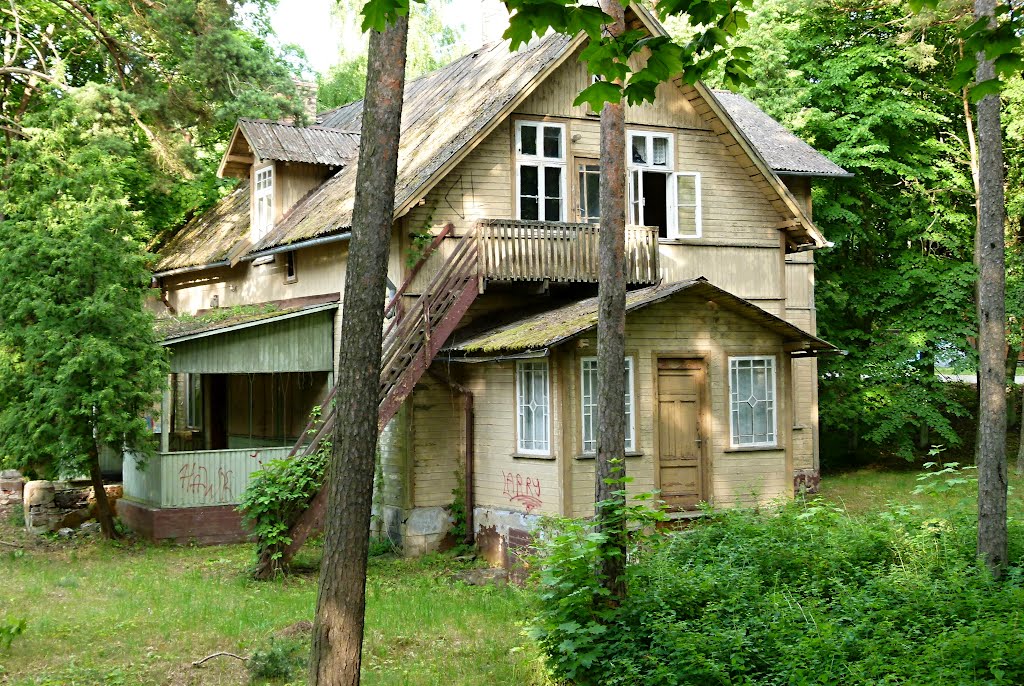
(541, 162)
(697, 213)
(291, 270)
(772, 397)
(532, 366)
(261, 221)
(630, 398)
(193, 401)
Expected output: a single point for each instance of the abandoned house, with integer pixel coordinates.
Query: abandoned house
(489, 375)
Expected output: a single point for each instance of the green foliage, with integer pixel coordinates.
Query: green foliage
(278, 494)
(574, 622)
(282, 658)
(707, 45)
(804, 595)
(79, 362)
(10, 629)
(866, 84)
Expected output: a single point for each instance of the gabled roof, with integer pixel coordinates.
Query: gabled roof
(784, 152)
(288, 143)
(258, 139)
(444, 113)
(537, 332)
(448, 112)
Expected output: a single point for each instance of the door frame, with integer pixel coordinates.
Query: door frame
(703, 419)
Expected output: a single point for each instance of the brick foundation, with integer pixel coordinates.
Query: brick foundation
(206, 525)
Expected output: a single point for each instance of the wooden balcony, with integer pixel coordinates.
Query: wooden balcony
(519, 250)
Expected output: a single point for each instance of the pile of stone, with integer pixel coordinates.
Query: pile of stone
(12, 484)
(53, 507)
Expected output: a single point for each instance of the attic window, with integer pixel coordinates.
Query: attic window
(290, 274)
(262, 220)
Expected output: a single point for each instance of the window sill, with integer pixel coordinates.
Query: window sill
(593, 456)
(530, 456)
(678, 241)
(754, 449)
(800, 427)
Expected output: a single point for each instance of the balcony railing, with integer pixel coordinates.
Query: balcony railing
(519, 250)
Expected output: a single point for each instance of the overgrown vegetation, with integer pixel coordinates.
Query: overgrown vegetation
(277, 495)
(808, 594)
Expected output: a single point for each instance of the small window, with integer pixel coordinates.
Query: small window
(540, 171)
(533, 407)
(262, 220)
(752, 401)
(650, 150)
(588, 392)
(290, 275)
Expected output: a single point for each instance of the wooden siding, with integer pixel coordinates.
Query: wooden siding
(438, 455)
(502, 480)
(194, 479)
(293, 180)
(555, 97)
(752, 273)
(299, 344)
(320, 270)
(392, 481)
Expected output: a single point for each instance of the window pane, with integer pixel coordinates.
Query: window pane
(533, 406)
(635, 215)
(639, 145)
(660, 151)
(528, 180)
(552, 210)
(552, 182)
(686, 187)
(528, 208)
(553, 142)
(751, 396)
(528, 139)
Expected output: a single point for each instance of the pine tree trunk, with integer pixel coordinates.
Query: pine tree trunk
(991, 457)
(611, 336)
(102, 511)
(336, 654)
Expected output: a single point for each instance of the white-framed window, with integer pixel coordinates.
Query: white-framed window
(533, 407)
(540, 171)
(588, 394)
(262, 220)
(658, 195)
(589, 191)
(752, 418)
(687, 215)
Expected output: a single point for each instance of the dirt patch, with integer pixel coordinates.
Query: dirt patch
(297, 630)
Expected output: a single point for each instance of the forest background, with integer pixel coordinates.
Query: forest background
(866, 83)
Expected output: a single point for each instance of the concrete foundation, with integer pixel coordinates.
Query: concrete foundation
(503, 538)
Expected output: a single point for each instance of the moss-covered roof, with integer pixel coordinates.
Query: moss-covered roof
(209, 238)
(552, 327)
(171, 329)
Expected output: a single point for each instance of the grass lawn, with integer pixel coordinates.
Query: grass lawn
(140, 614)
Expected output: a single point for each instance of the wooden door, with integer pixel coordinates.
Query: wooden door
(680, 449)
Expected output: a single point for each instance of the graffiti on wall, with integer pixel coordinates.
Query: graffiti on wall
(522, 490)
(195, 480)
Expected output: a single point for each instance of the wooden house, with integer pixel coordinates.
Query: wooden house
(488, 385)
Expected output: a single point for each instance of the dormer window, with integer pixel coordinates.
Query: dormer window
(540, 171)
(262, 220)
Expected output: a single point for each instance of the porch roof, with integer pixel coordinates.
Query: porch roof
(175, 330)
(543, 330)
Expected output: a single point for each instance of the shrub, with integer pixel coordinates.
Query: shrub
(10, 629)
(803, 595)
(282, 659)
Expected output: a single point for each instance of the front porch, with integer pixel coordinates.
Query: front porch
(240, 393)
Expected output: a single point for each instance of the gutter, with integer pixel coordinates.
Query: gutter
(297, 246)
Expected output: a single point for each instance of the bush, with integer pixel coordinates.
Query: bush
(282, 659)
(806, 595)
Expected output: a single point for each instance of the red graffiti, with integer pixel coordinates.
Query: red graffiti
(256, 456)
(526, 491)
(194, 479)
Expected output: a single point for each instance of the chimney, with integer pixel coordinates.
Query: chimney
(306, 92)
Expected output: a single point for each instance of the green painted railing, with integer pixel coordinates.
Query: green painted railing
(198, 478)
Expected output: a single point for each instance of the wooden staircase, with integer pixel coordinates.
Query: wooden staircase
(412, 339)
